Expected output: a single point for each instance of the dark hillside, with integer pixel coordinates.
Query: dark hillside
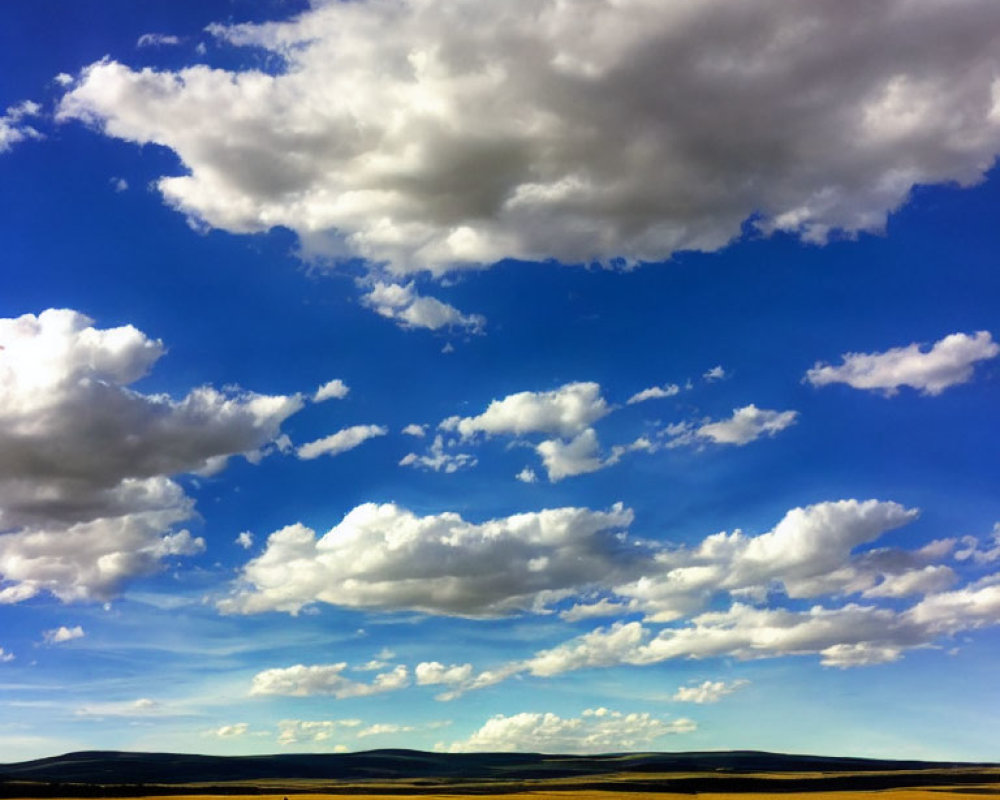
(107, 767)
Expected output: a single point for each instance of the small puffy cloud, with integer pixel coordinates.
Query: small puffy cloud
(859, 654)
(566, 412)
(63, 634)
(87, 500)
(438, 459)
(930, 579)
(421, 152)
(582, 454)
(716, 373)
(13, 125)
(119, 184)
(245, 540)
(415, 430)
(433, 673)
(949, 361)
(375, 665)
(746, 425)
(602, 608)
(157, 40)
(596, 730)
(324, 679)
(341, 441)
(296, 731)
(5, 656)
(409, 309)
(707, 692)
(143, 707)
(231, 731)
(331, 390)
(527, 475)
(973, 550)
(578, 456)
(382, 729)
(654, 393)
(385, 557)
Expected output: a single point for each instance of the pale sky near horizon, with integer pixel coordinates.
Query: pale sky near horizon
(553, 376)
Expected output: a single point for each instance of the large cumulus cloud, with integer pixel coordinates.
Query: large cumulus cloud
(429, 135)
(386, 557)
(86, 495)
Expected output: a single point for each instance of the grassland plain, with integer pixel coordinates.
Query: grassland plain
(975, 792)
(935, 784)
(392, 774)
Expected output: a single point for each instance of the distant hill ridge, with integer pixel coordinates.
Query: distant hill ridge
(110, 767)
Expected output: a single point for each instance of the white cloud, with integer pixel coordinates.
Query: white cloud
(602, 608)
(566, 414)
(387, 557)
(63, 634)
(809, 553)
(245, 540)
(654, 393)
(527, 475)
(949, 362)
(119, 184)
(716, 373)
(930, 579)
(746, 425)
(341, 441)
(5, 656)
(383, 556)
(438, 459)
(972, 550)
(567, 411)
(231, 731)
(157, 40)
(375, 665)
(402, 304)
(296, 731)
(415, 430)
(576, 457)
(14, 129)
(813, 552)
(596, 730)
(85, 460)
(422, 151)
(382, 729)
(331, 390)
(143, 707)
(708, 691)
(324, 679)
(433, 673)
(849, 636)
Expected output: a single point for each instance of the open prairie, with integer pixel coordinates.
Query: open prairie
(391, 774)
(973, 792)
(914, 784)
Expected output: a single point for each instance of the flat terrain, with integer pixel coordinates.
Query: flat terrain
(976, 792)
(392, 774)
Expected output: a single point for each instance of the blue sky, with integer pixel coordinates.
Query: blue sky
(658, 346)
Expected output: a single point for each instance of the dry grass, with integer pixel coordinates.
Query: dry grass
(976, 792)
